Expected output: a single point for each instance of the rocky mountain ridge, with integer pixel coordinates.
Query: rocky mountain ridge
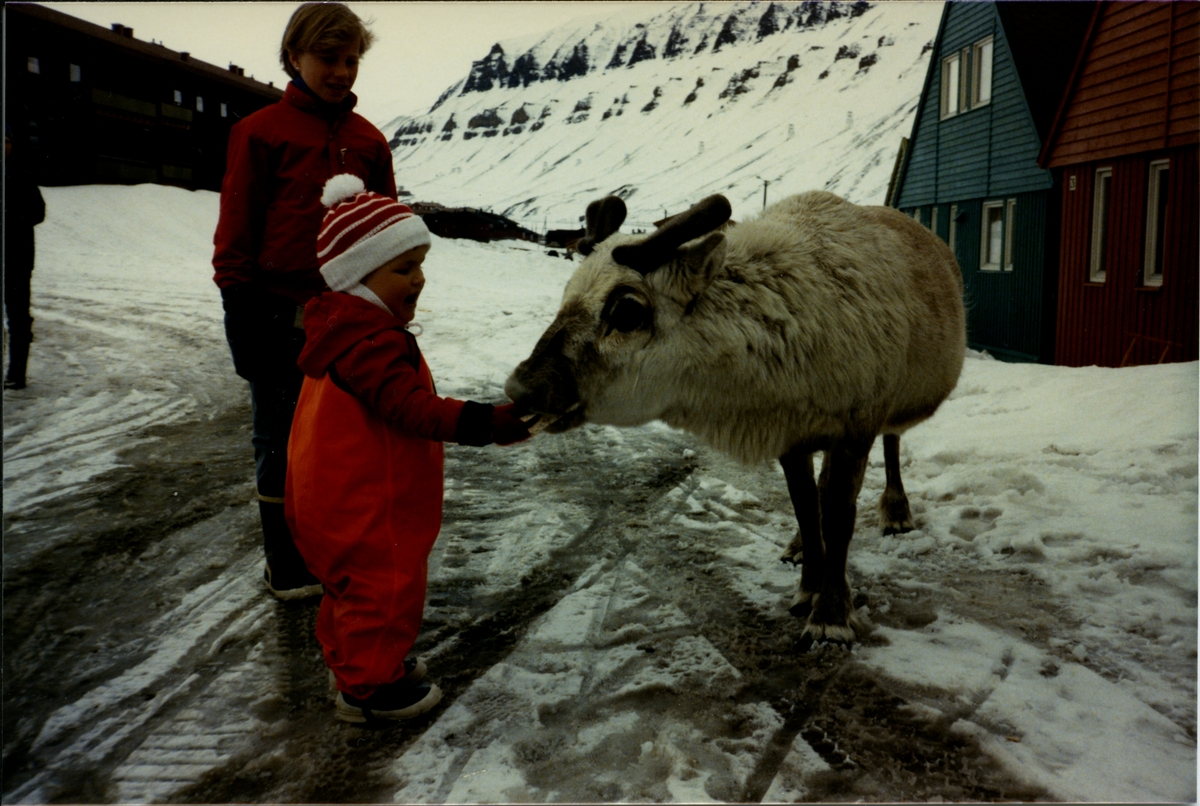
(662, 103)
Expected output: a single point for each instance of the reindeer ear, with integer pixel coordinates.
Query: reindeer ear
(702, 258)
(603, 217)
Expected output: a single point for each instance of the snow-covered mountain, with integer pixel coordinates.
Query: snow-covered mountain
(663, 104)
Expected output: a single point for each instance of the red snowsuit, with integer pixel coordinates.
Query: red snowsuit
(276, 167)
(364, 484)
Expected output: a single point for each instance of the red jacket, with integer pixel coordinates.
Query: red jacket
(367, 353)
(278, 161)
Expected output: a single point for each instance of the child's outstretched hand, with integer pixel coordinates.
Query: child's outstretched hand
(507, 428)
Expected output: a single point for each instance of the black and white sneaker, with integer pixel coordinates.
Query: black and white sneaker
(290, 587)
(403, 699)
(414, 672)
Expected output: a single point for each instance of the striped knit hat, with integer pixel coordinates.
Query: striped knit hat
(361, 231)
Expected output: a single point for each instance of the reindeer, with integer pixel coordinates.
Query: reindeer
(814, 327)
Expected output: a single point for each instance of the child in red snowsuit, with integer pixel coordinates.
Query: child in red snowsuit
(365, 461)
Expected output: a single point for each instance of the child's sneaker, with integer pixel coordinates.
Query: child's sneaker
(403, 699)
(414, 672)
(289, 587)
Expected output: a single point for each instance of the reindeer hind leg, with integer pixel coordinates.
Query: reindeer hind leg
(895, 517)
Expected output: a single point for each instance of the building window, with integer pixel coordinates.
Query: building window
(991, 246)
(933, 216)
(981, 72)
(33, 65)
(224, 111)
(1100, 196)
(953, 226)
(1010, 215)
(178, 98)
(967, 78)
(199, 104)
(76, 74)
(1156, 221)
(951, 82)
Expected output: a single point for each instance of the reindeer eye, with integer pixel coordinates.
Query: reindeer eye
(627, 315)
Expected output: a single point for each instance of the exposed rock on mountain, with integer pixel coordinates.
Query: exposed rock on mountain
(726, 98)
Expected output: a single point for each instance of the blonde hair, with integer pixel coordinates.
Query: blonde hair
(321, 27)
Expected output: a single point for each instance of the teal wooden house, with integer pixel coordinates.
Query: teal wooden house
(971, 173)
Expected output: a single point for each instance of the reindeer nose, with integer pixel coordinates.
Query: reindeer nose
(517, 392)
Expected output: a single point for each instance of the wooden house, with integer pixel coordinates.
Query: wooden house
(970, 171)
(564, 237)
(1124, 149)
(92, 105)
(467, 222)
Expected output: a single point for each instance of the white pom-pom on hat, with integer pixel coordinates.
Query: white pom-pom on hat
(361, 231)
(341, 187)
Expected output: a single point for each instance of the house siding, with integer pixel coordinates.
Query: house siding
(1010, 312)
(989, 153)
(1139, 88)
(984, 151)
(1121, 321)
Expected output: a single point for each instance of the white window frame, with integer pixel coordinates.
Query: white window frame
(224, 110)
(76, 73)
(199, 104)
(178, 97)
(33, 65)
(982, 58)
(1156, 193)
(986, 240)
(1010, 215)
(951, 94)
(953, 226)
(1101, 196)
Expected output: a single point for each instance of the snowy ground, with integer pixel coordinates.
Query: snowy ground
(607, 608)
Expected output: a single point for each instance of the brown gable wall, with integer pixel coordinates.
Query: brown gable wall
(1139, 88)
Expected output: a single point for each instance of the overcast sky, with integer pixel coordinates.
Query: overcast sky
(420, 48)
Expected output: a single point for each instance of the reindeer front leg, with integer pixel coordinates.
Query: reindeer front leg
(841, 480)
(805, 549)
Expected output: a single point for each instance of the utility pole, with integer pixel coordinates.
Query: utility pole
(765, 183)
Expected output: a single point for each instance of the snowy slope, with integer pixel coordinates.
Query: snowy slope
(1035, 638)
(665, 104)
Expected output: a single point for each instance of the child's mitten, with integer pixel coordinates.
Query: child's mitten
(482, 424)
(507, 428)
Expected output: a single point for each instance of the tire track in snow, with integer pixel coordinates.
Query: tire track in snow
(89, 731)
(91, 357)
(571, 493)
(775, 710)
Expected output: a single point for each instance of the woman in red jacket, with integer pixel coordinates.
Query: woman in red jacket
(266, 259)
(365, 466)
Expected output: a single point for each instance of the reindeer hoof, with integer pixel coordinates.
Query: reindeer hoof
(794, 553)
(894, 515)
(830, 633)
(893, 528)
(831, 619)
(801, 605)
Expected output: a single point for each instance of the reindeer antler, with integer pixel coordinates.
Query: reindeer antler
(604, 217)
(702, 218)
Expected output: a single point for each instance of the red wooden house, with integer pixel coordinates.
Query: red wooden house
(1124, 145)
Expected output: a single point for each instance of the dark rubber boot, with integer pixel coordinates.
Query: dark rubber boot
(18, 358)
(286, 575)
